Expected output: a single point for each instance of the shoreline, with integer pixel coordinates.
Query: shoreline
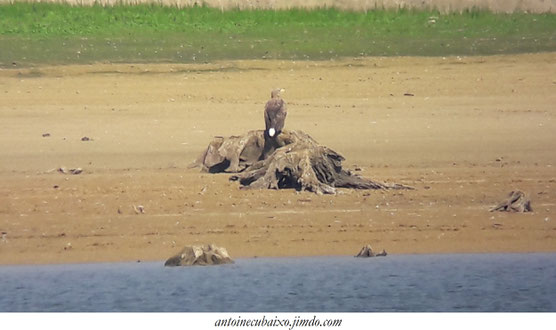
(243, 258)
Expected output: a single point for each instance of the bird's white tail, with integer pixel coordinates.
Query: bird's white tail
(271, 132)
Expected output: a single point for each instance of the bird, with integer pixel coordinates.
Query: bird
(275, 113)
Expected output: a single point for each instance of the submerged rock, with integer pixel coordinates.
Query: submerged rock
(367, 252)
(200, 255)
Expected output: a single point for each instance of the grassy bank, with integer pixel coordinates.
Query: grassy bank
(40, 33)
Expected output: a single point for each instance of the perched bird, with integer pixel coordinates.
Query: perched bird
(275, 113)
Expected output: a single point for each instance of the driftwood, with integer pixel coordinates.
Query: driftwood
(516, 202)
(197, 255)
(367, 252)
(291, 160)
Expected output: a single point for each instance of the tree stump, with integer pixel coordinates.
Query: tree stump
(367, 252)
(200, 255)
(233, 154)
(290, 160)
(516, 202)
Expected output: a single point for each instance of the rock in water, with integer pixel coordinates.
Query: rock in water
(200, 255)
(367, 252)
(382, 254)
(516, 202)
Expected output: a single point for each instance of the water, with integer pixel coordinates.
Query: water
(414, 283)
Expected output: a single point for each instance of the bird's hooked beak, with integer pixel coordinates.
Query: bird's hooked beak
(282, 90)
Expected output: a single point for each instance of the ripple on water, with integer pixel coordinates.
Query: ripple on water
(465, 282)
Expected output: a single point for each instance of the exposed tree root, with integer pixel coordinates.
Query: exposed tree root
(291, 160)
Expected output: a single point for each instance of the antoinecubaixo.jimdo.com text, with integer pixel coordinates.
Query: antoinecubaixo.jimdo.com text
(290, 324)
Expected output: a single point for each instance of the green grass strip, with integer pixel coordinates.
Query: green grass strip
(46, 33)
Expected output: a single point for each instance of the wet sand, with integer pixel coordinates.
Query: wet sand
(463, 131)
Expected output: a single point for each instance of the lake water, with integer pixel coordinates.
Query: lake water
(413, 283)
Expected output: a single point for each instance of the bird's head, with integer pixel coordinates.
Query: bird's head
(276, 92)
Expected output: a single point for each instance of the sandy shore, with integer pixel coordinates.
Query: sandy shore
(473, 130)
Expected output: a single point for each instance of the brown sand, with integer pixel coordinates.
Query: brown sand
(474, 129)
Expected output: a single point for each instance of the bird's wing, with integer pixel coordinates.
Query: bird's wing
(271, 110)
(266, 117)
(281, 116)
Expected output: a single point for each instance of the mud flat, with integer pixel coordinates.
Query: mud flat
(464, 131)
